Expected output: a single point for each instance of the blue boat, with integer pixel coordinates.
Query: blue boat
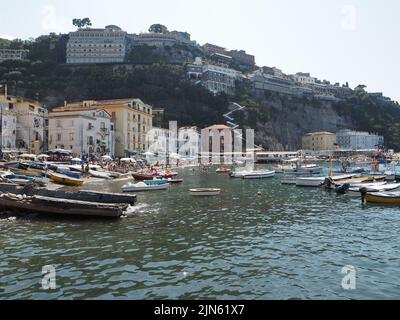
(156, 182)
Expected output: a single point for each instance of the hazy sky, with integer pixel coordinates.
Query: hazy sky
(353, 40)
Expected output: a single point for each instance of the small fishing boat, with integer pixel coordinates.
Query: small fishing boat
(223, 170)
(383, 197)
(167, 174)
(66, 180)
(205, 192)
(99, 174)
(143, 176)
(317, 181)
(142, 186)
(356, 191)
(237, 174)
(55, 206)
(258, 175)
(67, 172)
(14, 178)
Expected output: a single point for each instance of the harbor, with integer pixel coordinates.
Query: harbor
(251, 238)
(257, 239)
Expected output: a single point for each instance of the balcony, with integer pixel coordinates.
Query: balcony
(105, 131)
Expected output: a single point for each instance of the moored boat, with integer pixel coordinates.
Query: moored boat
(223, 170)
(356, 191)
(66, 180)
(383, 197)
(99, 174)
(205, 192)
(258, 175)
(317, 181)
(143, 176)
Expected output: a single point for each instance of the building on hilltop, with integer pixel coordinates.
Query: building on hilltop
(13, 54)
(89, 45)
(240, 57)
(132, 120)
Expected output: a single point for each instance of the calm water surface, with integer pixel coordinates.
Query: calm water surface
(287, 243)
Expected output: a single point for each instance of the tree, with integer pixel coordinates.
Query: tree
(158, 28)
(80, 23)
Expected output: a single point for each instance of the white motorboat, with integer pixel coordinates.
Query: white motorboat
(142, 186)
(258, 175)
(317, 181)
(205, 192)
(99, 174)
(355, 191)
(238, 174)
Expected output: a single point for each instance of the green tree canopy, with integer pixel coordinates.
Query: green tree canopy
(158, 28)
(80, 23)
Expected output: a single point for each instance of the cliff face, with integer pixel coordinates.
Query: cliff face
(280, 121)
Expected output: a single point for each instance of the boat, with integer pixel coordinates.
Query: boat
(143, 176)
(356, 191)
(258, 174)
(14, 178)
(67, 172)
(223, 170)
(167, 174)
(66, 180)
(317, 181)
(156, 182)
(55, 206)
(237, 174)
(80, 195)
(99, 174)
(205, 192)
(142, 186)
(175, 181)
(383, 197)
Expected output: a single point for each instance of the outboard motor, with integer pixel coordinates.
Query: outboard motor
(328, 183)
(342, 189)
(363, 194)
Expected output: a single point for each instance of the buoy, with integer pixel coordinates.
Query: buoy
(259, 193)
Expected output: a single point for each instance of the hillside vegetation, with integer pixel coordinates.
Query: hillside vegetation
(279, 120)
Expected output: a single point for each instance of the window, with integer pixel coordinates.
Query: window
(58, 136)
(71, 136)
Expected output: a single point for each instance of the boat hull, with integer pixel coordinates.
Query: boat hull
(393, 198)
(204, 192)
(65, 180)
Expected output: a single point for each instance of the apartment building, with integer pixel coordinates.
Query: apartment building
(89, 45)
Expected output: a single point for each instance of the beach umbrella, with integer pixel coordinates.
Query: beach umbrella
(40, 156)
(106, 157)
(148, 153)
(76, 159)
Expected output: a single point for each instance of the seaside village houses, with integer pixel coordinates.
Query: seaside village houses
(116, 127)
(24, 125)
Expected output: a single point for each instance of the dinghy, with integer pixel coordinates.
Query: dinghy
(383, 197)
(66, 180)
(356, 191)
(205, 192)
(223, 170)
(258, 175)
(317, 181)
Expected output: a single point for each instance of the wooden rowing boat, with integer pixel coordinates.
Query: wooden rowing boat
(383, 197)
(40, 204)
(205, 192)
(63, 179)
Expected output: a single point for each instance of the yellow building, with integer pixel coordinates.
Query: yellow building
(31, 123)
(319, 141)
(132, 120)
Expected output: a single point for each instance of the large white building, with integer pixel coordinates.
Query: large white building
(13, 54)
(83, 131)
(354, 140)
(106, 45)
